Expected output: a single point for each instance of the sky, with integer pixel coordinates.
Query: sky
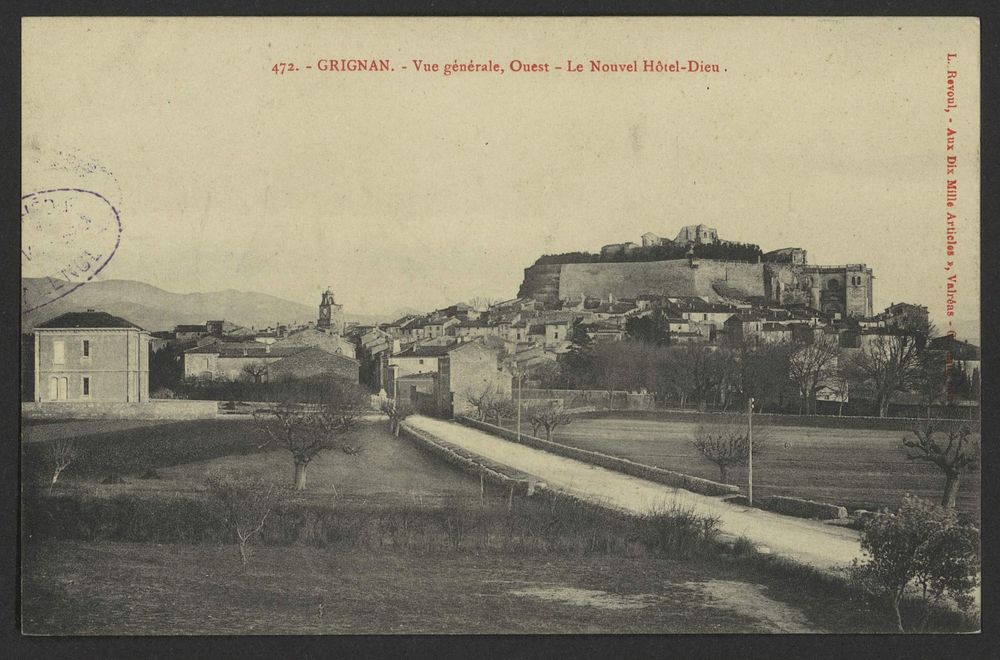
(412, 189)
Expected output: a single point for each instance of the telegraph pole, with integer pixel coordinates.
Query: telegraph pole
(750, 453)
(520, 377)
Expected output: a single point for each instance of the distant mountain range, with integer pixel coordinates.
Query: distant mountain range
(154, 309)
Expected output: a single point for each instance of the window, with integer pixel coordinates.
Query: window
(86, 385)
(58, 352)
(557, 334)
(420, 361)
(86, 348)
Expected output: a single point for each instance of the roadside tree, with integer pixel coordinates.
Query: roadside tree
(397, 411)
(482, 401)
(549, 417)
(502, 407)
(727, 443)
(922, 550)
(948, 445)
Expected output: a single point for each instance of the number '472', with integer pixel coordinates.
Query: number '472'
(281, 68)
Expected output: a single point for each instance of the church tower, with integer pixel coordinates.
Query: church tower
(331, 318)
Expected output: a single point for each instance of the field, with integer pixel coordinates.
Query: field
(389, 540)
(123, 588)
(386, 467)
(850, 467)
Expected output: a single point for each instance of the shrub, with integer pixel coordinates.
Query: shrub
(744, 547)
(921, 548)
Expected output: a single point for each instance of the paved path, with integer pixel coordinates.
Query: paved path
(807, 541)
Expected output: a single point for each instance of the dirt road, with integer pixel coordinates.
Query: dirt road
(809, 542)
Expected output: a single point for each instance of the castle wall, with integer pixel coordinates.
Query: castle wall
(835, 289)
(675, 278)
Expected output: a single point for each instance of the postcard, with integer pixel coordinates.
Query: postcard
(500, 325)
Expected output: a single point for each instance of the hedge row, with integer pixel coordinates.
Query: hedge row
(648, 472)
(558, 525)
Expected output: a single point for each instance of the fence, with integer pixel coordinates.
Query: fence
(154, 409)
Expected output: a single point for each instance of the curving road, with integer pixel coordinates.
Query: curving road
(810, 542)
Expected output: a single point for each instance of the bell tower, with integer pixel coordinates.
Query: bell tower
(330, 314)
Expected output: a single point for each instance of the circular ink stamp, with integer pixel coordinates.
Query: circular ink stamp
(68, 235)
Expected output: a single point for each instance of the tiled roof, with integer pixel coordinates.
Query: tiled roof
(87, 319)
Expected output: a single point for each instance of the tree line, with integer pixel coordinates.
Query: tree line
(721, 250)
(779, 376)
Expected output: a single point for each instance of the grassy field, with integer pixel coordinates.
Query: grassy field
(386, 467)
(121, 588)
(850, 467)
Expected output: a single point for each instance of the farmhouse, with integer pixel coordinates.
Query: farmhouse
(91, 356)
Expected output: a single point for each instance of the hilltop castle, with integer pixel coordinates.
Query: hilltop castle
(779, 277)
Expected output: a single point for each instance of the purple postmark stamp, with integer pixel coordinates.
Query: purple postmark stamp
(68, 235)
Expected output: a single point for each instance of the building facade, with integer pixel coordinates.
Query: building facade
(91, 356)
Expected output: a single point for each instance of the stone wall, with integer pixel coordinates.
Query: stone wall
(154, 409)
(550, 283)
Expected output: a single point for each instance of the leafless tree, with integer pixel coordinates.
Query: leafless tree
(727, 443)
(307, 428)
(397, 411)
(502, 407)
(932, 378)
(254, 372)
(887, 364)
(549, 417)
(701, 370)
(811, 367)
(959, 455)
(60, 454)
(482, 401)
(245, 501)
(481, 303)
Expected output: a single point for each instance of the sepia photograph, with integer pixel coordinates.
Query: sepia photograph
(500, 326)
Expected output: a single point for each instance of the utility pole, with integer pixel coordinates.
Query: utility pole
(520, 377)
(750, 453)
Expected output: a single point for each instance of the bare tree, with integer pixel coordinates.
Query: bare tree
(727, 443)
(60, 453)
(306, 429)
(932, 378)
(890, 363)
(397, 411)
(482, 401)
(254, 372)
(245, 502)
(812, 366)
(960, 454)
(549, 417)
(481, 303)
(502, 407)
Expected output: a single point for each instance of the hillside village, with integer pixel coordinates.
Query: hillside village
(435, 360)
